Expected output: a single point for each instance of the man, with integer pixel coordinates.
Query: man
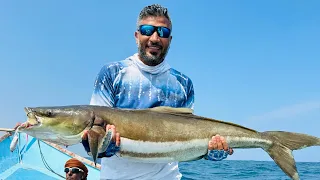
(146, 80)
(75, 170)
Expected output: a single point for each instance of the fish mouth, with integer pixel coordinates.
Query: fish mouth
(33, 119)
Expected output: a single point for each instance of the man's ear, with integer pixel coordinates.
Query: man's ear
(136, 36)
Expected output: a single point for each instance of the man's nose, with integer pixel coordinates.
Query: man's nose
(69, 173)
(154, 37)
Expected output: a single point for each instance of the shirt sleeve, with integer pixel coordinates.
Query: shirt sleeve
(189, 103)
(103, 91)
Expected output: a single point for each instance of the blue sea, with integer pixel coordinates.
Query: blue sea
(249, 170)
(244, 170)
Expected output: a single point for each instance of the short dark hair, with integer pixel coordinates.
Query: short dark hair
(154, 10)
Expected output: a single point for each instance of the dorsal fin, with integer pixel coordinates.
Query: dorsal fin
(172, 110)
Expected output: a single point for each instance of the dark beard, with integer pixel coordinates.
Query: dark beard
(152, 60)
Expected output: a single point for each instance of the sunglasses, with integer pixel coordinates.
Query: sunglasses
(148, 30)
(73, 170)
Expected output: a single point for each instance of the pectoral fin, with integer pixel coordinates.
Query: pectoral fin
(106, 141)
(95, 139)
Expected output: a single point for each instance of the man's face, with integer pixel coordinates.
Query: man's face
(153, 49)
(74, 176)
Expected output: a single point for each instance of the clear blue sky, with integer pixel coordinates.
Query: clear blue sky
(254, 63)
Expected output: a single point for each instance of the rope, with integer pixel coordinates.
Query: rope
(45, 162)
(6, 129)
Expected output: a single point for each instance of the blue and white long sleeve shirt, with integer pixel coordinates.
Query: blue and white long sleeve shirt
(131, 84)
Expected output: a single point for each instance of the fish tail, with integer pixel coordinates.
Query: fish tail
(95, 136)
(283, 145)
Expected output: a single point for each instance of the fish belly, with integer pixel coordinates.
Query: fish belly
(163, 152)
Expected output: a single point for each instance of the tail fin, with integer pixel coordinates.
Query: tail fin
(95, 136)
(294, 141)
(283, 145)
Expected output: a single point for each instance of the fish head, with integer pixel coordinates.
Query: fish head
(61, 125)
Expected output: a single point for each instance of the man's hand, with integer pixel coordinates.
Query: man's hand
(113, 146)
(218, 149)
(15, 128)
(116, 135)
(17, 125)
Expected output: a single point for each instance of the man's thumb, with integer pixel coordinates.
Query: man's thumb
(85, 135)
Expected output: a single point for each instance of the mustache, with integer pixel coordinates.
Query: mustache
(156, 44)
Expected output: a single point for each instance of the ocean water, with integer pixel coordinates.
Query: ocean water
(207, 170)
(244, 170)
(248, 170)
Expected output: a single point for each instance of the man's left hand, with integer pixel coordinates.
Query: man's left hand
(218, 149)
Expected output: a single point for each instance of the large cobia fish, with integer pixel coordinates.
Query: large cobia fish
(160, 134)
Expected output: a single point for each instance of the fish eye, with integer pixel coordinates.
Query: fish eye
(49, 113)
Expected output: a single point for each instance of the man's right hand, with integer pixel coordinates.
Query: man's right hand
(113, 146)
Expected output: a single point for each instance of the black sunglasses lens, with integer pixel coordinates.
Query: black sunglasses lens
(163, 32)
(74, 170)
(147, 30)
(66, 170)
